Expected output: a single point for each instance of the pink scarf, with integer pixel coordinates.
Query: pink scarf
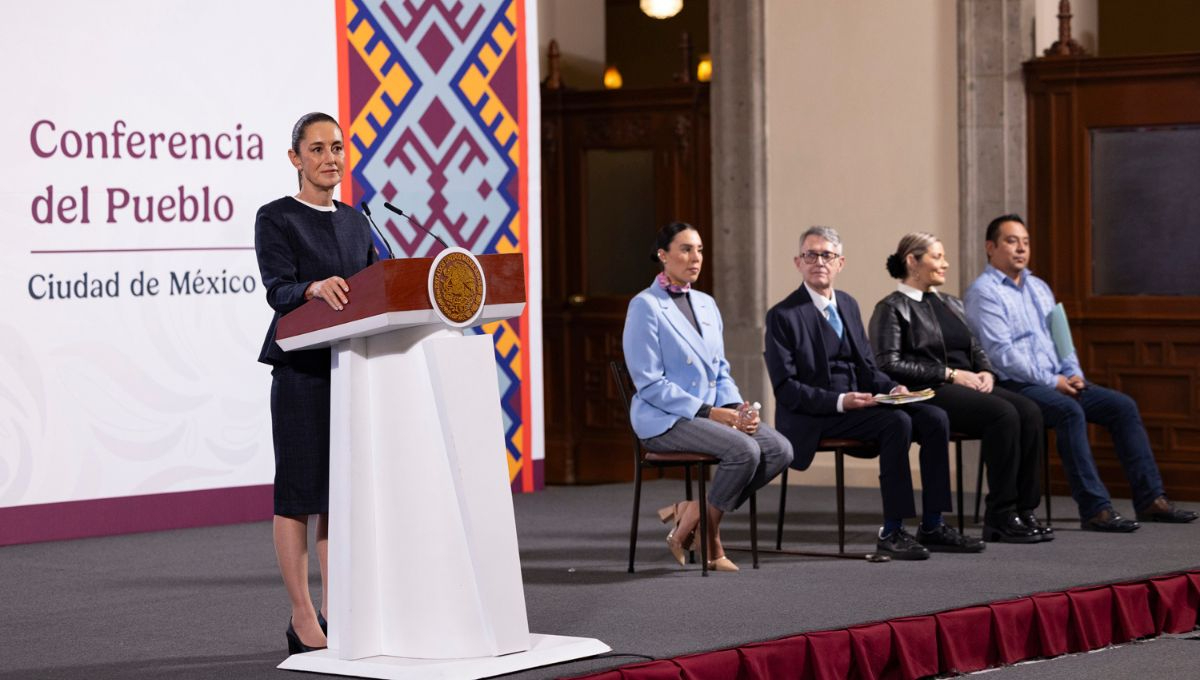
(665, 284)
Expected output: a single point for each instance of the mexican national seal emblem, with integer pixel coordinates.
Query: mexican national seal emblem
(456, 286)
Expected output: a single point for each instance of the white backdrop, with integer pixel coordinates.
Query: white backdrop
(122, 394)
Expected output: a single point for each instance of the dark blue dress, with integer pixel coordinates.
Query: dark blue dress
(296, 245)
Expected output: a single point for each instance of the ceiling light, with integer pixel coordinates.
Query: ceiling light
(661, 9)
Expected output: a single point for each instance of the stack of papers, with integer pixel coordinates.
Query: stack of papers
(907, 398)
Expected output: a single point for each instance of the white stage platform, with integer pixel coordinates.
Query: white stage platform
(543, 651)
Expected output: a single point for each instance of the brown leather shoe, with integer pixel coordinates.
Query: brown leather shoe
(1110, 521)
(1163, 510)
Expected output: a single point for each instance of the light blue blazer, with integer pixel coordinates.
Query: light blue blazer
(675, 369)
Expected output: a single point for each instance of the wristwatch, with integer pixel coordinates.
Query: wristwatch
(953, 372)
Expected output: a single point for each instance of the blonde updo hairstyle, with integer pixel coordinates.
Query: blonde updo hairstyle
(916, 244)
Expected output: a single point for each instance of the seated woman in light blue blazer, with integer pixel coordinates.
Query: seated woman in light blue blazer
(686, 399)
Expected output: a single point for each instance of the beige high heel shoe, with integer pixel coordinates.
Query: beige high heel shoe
(722, 563)
(677, 547)
(670, 513)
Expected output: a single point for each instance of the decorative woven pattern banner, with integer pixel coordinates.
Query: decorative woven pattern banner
(435, 102)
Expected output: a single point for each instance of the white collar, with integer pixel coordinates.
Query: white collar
(915, 293)
(314, 206)
(820, 300)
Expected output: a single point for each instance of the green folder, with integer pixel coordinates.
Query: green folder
(1060, 331)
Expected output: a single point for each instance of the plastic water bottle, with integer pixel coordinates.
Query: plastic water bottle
(747, 412)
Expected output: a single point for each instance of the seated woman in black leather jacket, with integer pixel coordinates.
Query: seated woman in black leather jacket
(921, 339)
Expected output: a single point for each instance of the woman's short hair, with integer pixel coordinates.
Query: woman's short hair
(916, 244)
(667, 234)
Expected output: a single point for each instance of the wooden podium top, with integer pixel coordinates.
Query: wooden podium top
(394, 294)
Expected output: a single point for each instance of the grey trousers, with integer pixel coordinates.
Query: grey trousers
(748, 462)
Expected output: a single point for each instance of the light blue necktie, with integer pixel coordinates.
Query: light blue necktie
(834, 320)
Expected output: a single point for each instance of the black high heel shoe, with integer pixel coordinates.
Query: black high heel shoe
(295, 646)
(322, 623)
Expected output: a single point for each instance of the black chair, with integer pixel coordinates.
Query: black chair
(840, 448)
(685, 459)
(863, 450)
(979, 479)
(957, 438)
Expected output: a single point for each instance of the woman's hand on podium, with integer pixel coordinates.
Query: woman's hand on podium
(332, 290)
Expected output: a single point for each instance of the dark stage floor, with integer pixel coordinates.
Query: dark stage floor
(207, 603)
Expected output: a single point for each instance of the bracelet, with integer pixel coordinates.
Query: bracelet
(953, 372)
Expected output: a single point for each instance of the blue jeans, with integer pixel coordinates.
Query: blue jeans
(1117, 413)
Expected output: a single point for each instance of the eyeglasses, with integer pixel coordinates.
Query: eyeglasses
(812, 256)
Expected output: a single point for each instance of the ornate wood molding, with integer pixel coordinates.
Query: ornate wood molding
(1065, 46)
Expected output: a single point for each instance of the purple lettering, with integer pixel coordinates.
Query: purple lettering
(134, 146)
(117, 200)
(33, 139)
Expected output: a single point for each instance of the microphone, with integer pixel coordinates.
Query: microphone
(413, 222)
(366, 209)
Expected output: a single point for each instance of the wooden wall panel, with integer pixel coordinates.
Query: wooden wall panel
(1146, 346)
(587, 439)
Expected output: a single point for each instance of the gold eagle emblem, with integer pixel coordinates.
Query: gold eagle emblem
(457, 287)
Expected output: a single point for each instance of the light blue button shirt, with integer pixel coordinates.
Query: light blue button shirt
(1010, 321)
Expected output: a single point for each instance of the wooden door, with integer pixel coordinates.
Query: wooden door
(1114, 216)
(617, 165)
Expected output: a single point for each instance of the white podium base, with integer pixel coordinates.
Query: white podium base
(543, 651)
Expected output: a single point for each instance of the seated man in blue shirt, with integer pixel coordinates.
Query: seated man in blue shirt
(1007, 308)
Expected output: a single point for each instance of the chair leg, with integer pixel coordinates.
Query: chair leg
(978, 487)
(958, 471)
(841, 500)
(782, 506)
(1046, 471)
(687, 473)
(754, 528)
(637, 504)
(703, 497)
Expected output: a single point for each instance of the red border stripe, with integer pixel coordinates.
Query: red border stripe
(342, 41)
(132, 514)
(527, 473)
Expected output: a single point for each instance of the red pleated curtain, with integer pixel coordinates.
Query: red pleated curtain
(953, 641)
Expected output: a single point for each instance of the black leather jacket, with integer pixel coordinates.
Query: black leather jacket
(908, 344)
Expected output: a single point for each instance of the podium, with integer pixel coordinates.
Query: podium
(424, 573)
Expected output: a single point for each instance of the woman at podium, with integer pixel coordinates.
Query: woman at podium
(307, 244)
(686, 399)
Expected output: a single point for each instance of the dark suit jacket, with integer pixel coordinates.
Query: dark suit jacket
(297, 245)
(799, 368)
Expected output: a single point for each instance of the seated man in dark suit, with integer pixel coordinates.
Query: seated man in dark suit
(823, 371)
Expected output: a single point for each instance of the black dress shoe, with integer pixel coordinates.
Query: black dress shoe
(900, 545)
(295, 646)
(1009, 529)
(1163, 510)
(1030, 520)
(944, 538)
(1109, 520)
